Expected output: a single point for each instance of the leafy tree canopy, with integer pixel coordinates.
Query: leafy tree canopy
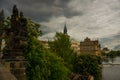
(88, 64)
(62, 47)
(42, 65)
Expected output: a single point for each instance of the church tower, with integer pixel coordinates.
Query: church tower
(65, 30)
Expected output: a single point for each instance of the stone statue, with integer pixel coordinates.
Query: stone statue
(15, 43)
(15, 11)
(17, 34)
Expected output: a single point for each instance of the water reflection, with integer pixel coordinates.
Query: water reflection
(111, 71)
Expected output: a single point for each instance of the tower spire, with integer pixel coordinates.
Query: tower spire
(65, 29)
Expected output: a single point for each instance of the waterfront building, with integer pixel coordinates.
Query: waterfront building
(89, 46)
(76, 46)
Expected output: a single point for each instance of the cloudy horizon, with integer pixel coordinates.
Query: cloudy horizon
(97, 19)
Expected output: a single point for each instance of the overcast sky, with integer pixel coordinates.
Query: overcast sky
(97, 19)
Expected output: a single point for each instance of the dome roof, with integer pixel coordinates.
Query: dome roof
(5, 74)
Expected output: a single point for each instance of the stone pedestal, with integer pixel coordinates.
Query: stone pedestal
(15, 62)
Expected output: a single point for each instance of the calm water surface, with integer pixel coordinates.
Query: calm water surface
(111, 72)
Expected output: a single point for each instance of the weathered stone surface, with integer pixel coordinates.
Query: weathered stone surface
(17, 34)
(5, 74)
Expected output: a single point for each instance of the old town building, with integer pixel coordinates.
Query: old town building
(76, 46)
(89, 46)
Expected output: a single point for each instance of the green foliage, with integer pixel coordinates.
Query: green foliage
(34, 28)
(88, 64)
(42, 65)
(3, 32)
(4, 26)
(113, 54)
(62, 47)
(7, 23)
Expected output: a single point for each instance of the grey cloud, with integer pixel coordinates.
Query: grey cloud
(112, 42)
(68, 13)
(46, 30)
(41, 10)
(37, 2)
(92, 18)
(117, 47)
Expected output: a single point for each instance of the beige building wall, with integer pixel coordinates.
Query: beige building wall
(90, 47)
(76, 46)
(84, 47)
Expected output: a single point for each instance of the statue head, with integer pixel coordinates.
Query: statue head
(2, 15)
(15, 10)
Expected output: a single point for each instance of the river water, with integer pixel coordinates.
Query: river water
(111, 71)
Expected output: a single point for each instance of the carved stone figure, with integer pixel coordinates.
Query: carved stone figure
(18, 32)
(13, 57)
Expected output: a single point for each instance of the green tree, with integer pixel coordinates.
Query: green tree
(34, 28)
(88, 64)
(3, 32)
(113, 54)
(62, 47)
(41, 64)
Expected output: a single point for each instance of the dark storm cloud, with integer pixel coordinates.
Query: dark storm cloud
(45, 29)
(68, 13)
(37, 10)
(61, 3)
(40, 10)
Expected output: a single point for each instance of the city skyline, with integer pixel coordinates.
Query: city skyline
(97, 19)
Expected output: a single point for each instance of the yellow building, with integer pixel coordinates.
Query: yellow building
(90, 47)
(45, 44)
(76, 46)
